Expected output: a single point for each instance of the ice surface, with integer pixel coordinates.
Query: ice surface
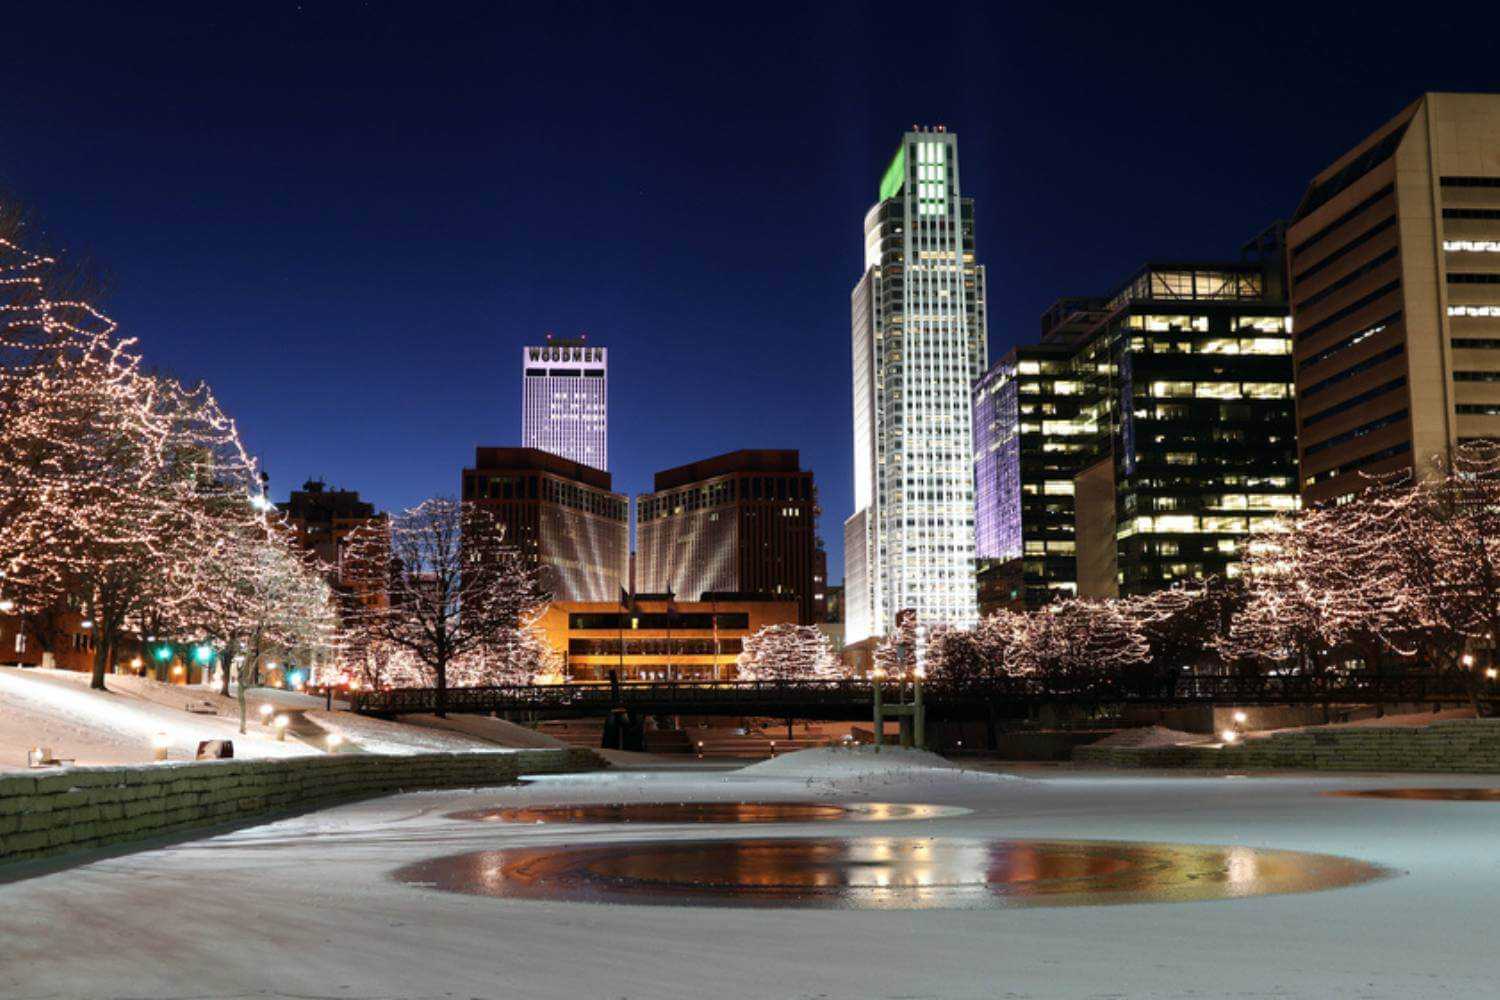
(307, 907)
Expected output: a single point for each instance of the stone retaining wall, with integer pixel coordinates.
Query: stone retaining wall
(85, 807)
(1467, 745)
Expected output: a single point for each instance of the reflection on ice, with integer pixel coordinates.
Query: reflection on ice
(886, 873)
(705, 812)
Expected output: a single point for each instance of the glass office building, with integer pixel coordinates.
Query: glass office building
(919, 331)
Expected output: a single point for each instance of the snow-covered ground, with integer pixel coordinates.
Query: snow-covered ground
(56, 709)
(307, 907)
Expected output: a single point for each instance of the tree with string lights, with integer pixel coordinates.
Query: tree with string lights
(787, 652)
(459, 598)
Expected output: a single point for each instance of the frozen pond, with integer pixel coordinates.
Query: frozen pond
(706, 812)
(309, 907)
(885, 873)
(1423, 794)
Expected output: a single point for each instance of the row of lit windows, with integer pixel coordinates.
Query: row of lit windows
(1189, 524)
(1213, 345)
(1221, 390)
(1474, 311)
(1472, 246)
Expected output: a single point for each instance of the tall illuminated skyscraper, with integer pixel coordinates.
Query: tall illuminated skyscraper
(919, 334)
(565, 400)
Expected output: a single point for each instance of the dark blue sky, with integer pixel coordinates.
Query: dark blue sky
(349, 217)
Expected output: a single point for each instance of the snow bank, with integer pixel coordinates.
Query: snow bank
(56, 709)
(847, 762)
(828, 770)
(382, 736)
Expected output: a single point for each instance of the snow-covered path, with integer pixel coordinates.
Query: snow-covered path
(306, 907)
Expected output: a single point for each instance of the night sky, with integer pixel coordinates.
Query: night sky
(349, 218)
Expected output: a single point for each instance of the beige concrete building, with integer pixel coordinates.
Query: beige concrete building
(1394, 276)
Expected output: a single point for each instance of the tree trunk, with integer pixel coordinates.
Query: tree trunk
(440, 705)
(226, 662)
(101, 659)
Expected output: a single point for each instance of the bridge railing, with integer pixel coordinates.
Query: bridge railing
(804, 696)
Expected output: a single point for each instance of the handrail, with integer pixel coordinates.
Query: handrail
(808, 696)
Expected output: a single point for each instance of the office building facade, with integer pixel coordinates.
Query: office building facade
(919, 343)
(1394, 277)
(1192, 371)
(744, 522)
(565, 400)
(1035, 428)
(562, 515)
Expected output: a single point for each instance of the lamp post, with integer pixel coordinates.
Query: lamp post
(877, 676)
(918, 716)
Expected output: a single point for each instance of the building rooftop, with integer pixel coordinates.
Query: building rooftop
(744, 460)
(510, 459)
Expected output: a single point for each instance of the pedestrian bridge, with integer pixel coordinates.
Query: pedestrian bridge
(838, 700)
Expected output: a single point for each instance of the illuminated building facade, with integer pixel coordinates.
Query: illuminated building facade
(565, 400)
(1035, 428)
(1395, 292)
(562, 515)
(657, 639)
(744, 522)
(919, 343)
(1191, 365)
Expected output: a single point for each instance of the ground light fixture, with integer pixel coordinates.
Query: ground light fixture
(1230, 736)
(159, 745)
(265, 713)
(335, 740)
(280, 722)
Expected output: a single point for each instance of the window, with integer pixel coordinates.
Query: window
(1357, 432)
(1354, 401)
(1351, 309)
(1373, 361)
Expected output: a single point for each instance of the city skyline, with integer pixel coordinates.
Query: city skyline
(322, 250)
